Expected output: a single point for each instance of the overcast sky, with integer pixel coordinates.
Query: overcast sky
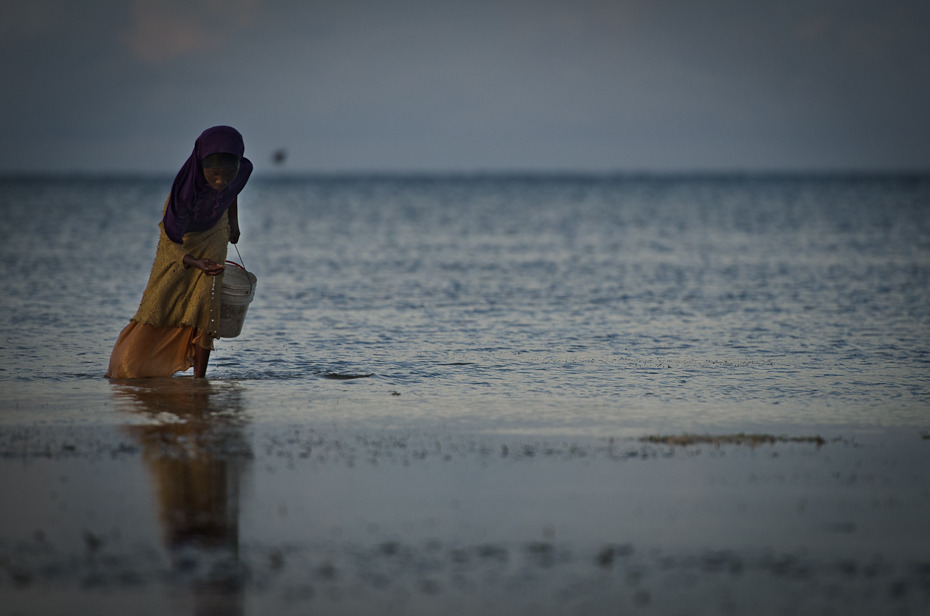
(469, 85)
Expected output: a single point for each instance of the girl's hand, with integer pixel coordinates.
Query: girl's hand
(210, 268)
(234, 234)
(205, 265)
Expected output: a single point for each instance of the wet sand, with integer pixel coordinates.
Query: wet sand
(183, 500)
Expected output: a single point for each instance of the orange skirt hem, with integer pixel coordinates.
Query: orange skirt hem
(144, 350)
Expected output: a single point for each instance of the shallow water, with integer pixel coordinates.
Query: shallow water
(189, 509)
(436, 401)
(576, 303)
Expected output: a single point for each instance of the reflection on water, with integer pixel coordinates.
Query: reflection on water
(198, 456)
(381, 520)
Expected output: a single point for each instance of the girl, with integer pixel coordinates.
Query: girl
(177, 319)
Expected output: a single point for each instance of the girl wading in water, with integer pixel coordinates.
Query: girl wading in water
(178, 317)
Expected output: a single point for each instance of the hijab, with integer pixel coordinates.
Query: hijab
(193, 204)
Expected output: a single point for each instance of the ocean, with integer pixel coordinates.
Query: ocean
(479, 394)
(506, 302)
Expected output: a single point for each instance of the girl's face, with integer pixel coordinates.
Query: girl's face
(219, 177)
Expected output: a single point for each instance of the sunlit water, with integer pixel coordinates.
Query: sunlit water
(578, 304)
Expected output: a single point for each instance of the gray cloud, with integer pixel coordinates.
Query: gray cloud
(162, 30)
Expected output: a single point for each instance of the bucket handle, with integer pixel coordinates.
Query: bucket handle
(242, 267)
(240, 258)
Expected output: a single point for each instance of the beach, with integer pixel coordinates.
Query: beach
(183, 505)
(479, 395)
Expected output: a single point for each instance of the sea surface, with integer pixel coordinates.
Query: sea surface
(562, 302)
(439, 400)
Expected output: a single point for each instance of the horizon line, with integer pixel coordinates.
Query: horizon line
(288, 174)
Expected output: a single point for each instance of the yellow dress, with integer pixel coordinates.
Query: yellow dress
(180, 308)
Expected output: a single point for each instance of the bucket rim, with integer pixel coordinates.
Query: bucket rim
(239, 289)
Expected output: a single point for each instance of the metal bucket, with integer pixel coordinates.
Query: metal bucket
(237, 293)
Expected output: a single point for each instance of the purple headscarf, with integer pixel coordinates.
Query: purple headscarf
(194, 205)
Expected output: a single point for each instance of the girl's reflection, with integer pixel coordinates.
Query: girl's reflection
(197, 454)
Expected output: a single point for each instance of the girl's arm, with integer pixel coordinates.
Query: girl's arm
(234, 221)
